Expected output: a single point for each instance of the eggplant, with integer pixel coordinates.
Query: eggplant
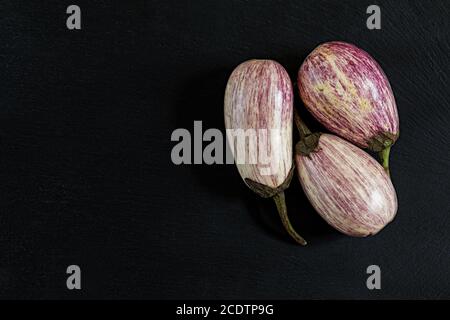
(259, 99)
(345, 185)
(346, 90)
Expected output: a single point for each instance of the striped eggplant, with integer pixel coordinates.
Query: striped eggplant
(345, 185)
(259, 100)
(347, 91)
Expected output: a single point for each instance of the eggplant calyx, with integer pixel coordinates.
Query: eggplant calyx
(308, 141)
(308, 144)
(268, 192)
(381, 141)
(382, 144)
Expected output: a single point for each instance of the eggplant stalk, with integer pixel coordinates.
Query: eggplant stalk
(280, 201)
(277, 194)
(384, 158)
(303, 130)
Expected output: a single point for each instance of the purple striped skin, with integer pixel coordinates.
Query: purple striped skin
(347, 187)
(347, 91)
(259, 95)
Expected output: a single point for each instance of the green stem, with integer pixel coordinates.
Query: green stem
(303, 130)
(282, 210)
(384, 157)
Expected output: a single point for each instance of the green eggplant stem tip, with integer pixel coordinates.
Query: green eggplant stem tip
(280, 201)
(384, 158)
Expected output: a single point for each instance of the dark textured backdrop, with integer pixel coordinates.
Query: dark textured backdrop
(85, 170)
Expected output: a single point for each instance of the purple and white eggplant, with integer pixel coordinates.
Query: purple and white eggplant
(347, 91)
(345, 185)
(259, 99)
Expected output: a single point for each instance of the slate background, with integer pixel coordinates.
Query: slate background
(85, 171)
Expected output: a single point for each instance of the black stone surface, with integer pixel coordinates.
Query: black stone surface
(86, 176)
